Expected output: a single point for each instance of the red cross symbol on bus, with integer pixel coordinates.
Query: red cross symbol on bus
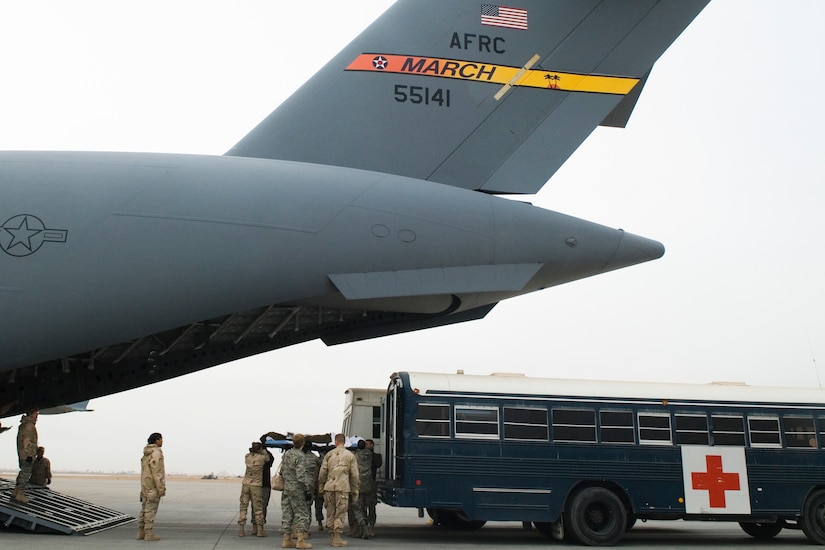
(715, 481)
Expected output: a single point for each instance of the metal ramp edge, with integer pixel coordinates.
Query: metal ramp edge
(51, 512)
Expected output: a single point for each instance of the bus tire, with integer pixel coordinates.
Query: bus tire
(761, 531)
(597, 517)
(813, 517)
(631, 521)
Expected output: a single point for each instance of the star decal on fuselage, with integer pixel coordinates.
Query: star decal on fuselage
(24, 234)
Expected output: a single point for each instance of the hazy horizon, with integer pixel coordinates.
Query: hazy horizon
(722, 161)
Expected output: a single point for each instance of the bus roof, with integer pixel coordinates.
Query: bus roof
(505, 385)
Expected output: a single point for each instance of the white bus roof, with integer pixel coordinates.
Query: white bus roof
(506, 385)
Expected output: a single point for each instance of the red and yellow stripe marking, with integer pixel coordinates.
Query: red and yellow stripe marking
(496, 74)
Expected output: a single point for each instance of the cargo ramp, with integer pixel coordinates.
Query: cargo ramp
(51, 512)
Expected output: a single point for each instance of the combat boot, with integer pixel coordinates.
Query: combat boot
(141, 533)
(338, 541)
(259, 531)
(287, 541)
(20, 495)
(241, 530)
(302, 543)
(149, 535)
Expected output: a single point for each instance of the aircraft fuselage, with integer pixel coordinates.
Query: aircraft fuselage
(101, 248)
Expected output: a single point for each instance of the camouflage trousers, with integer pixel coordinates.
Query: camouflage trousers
(254, 495)
(25, 473)
(294, 513)
(148, 510)
(336, 504)
(356, 515)
(368, 498)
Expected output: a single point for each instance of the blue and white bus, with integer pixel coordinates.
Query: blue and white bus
(585, 459)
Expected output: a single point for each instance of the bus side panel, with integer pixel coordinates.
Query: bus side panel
(529, 484)
(780, 479)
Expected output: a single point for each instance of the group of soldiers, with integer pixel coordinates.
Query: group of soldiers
(35, 468)
(342, 479)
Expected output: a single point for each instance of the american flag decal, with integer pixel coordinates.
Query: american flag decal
(502, 16)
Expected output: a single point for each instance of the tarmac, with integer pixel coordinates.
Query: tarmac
(203, 514)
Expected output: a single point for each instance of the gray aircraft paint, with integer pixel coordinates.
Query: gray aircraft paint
(120, 270)
(510, 145)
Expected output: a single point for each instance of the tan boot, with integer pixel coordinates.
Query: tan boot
(259, 531)
(302, 542)
(320, 525)
(241, 530)
(338, 541)
(287, 543)
(141, 533)
(20, 495)
(149, 535)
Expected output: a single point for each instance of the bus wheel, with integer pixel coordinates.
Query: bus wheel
(597, 517)
(631, 521)
(762, 531)
(813, 517)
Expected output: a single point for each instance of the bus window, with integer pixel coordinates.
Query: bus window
(691, 429)
(821, 423)
(476, 422)
(799, 431)
(616, 427)
(376, 422)
(654, 429)
(574, 425)
(433, 420)
(728, 430)
(764, 431)
(525, 424)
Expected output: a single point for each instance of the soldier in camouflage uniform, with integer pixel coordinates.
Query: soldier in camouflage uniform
(42, 469)
(26, 451)
(337, 479)
(296, 496)
(371, 497)
(252, 490)
(312, 464)
(152, 486)
(363, 457)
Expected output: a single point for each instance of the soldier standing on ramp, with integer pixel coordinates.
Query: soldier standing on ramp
(26, 451)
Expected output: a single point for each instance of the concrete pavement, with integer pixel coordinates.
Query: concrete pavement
(202, 514)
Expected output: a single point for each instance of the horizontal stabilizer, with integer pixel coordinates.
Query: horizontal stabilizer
(434, 281)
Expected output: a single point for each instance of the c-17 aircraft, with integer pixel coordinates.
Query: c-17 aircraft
(368, 204)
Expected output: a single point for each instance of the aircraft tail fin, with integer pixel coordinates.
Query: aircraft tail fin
(480, 96)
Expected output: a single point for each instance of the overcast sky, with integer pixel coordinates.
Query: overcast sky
(722, 161)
